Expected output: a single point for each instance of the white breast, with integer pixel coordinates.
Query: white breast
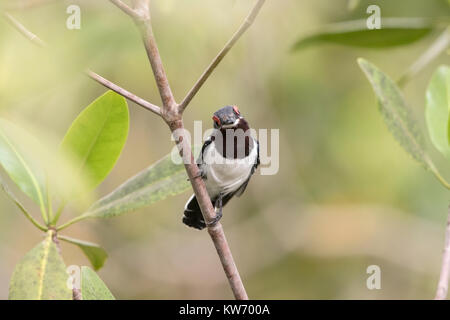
(226, 175)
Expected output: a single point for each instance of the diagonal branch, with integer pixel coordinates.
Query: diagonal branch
(442, 289)
(130, 96)
(108, 84)
(244, 26)
(168, 100)
(438, 46)
(24, 31)
(143, 21)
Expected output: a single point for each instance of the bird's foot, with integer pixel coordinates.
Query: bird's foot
(201, 174)
(215, 220)
(218, 207)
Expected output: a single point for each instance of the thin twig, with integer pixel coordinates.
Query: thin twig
(24, 31)
(105, 82)
(442, 289)
(168, 100)
(439, 46)
(244, 26)
(130, 96)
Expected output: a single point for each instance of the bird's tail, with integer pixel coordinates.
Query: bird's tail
(193, 215)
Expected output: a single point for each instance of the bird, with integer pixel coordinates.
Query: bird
(227, 161)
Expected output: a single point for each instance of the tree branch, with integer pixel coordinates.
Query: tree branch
(244, 26)
(24, 31)
(442, 289)
(168, 100)
(438, 46)
(130, 96)
(91, 74)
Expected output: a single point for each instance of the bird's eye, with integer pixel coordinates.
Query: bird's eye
(216, 120)
(235, 108)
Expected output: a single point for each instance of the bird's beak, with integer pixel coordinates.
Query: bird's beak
(231, 125)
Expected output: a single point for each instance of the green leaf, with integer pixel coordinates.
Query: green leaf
(92, 287)
(40, 275)
(97, 136)
(20, 164)
(393, 32)
(96, 254)
(157, 182)
(437, 109)
(396, 113)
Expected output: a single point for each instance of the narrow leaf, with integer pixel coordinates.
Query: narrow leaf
(92, 287)
(157, 182)
(20, 164)
(396, 113)
(393, 32)
(96, 254)
(40, 275)
(97, 136)
(437, 109)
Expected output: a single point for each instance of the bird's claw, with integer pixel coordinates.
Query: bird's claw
(215, 220)
(218, 206)
(200, 174)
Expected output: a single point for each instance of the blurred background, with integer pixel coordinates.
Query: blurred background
(346, 195)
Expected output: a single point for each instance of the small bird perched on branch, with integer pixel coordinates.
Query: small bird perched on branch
(228, 159)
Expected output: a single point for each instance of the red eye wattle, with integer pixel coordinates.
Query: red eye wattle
(216, 120)
(235, 108)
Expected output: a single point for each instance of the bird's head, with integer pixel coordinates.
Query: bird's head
(227, 117)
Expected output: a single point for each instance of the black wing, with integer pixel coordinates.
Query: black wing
(200, 156)
(192, 216)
